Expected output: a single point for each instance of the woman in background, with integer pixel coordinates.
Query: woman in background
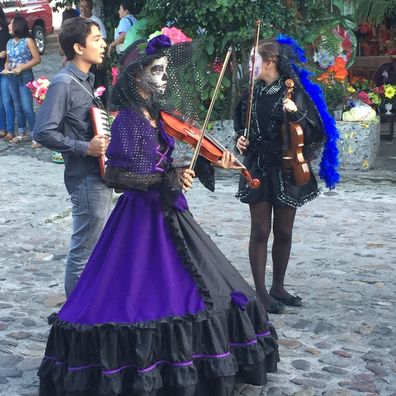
(7, 112)
(22, 56)
(274, 204)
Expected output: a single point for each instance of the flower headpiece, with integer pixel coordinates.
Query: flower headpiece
(141, 50)
(180, 52)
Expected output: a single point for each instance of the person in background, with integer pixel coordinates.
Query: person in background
(69, 11)
(22, 56)
(86, 8)
(126, 22)
(274, 204)
(7, 112)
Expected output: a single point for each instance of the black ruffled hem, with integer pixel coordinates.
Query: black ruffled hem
(118, 359)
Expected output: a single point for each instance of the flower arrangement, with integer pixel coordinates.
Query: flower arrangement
(365, 91)
(334, 83)
(39, 89)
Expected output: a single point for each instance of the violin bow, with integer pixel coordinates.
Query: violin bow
(208, 114)
(251, 83)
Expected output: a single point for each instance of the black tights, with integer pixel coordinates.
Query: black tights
(261, 214)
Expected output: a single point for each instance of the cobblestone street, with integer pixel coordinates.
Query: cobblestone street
(340, 343)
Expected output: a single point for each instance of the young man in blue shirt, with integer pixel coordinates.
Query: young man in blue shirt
(63, 124)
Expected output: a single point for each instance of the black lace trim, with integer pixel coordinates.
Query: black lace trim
(186, 259)
(171, 186)
(122, 179)
(74, 363)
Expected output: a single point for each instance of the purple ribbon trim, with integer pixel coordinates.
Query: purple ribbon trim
(175, 364)
(162, 158)
(237, 344)
(267, 333)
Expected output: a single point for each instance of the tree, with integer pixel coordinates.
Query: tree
(222, 23)
(375, 11)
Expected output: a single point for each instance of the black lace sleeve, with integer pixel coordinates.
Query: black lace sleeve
(205, 172)
(171, 186)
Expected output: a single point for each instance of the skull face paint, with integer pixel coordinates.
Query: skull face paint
(154, 78)
(257, 63)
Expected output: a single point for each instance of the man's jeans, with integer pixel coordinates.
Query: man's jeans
(91, 202)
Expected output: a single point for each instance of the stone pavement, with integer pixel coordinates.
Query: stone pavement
(341, 342)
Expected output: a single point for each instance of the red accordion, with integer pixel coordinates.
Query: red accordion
(101, 126)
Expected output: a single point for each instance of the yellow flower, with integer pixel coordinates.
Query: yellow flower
(351, 89)
(390, 91)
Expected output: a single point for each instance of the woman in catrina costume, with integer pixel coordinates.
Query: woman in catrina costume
(274, 204)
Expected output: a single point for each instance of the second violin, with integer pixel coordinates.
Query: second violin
(293, 143)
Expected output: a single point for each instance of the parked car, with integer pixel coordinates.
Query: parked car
(38, 14)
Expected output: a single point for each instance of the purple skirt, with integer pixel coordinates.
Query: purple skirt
(158, 310)
(135, 273)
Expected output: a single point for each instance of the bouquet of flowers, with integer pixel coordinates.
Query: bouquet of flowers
(39, 88)
(365, 91)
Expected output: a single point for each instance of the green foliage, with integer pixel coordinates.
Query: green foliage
(231, 22)
(375, 11)
(335, 95)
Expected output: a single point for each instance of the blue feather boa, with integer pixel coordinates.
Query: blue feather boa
(329, 163)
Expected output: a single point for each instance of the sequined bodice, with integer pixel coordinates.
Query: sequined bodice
(137, 146)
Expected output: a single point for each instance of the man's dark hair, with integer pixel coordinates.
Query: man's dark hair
(74, 31)
(128, 5)
(20, 27)
(89, 2)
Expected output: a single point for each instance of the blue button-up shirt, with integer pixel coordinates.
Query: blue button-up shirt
(63, 123)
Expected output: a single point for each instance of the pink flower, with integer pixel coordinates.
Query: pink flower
(31, 86)
(41, 92)
(363, 96)
(217, 66)
(99, 91)
(175, 35)
(114, 75)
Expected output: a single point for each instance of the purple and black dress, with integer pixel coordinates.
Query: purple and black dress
(158, 310)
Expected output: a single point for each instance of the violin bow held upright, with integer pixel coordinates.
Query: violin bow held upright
(209, 113)
(251, 82)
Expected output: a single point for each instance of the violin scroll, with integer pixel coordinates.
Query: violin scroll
(253, 183)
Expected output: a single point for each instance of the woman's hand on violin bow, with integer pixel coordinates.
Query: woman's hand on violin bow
(187, 179)
(289, 106)
(227, 161)
(242, 144)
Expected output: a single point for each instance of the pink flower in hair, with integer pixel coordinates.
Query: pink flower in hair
(175, 35)
(114, 75)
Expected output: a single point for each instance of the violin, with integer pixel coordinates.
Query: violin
(293, 144)
(210, 148)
